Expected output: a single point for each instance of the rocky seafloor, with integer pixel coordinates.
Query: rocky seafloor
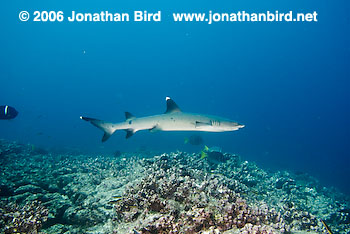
(45, 192)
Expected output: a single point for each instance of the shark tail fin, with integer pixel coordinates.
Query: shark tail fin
(107, 128)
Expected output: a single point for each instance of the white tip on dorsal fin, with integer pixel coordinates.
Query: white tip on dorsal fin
(171, 106)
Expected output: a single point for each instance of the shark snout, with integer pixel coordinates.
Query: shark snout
(235, 126)
(238, 126)
(241, 126)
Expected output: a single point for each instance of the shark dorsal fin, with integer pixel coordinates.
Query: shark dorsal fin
(129, 116)
(171, 106)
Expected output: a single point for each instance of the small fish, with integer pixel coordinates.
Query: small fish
(326, 226)
(114, 201)
(194, 140)
(203, 155)
(8, 112)
(204, 152)
(213, 154)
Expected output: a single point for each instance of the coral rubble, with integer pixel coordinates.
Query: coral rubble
(22, 219)
(169, 193)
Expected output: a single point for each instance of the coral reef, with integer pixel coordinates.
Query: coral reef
(169, 193)
(22, 219)
(187, 201)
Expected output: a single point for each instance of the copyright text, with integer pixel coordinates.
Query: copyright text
(209, 17)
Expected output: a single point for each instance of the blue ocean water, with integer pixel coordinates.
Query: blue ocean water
(287, 82)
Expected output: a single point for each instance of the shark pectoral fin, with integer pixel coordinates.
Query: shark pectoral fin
(202, 124)
(156, 128)
(129, 132)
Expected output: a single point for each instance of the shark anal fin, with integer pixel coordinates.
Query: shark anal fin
(202, 124)
(156, 128)
(129, 133)
(129, 116)
(171, 106)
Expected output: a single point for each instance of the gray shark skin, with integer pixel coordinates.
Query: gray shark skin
(172, 120)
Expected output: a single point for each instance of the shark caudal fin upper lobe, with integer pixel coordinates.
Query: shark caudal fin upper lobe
(107, 128)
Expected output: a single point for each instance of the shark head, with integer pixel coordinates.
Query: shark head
(216, 124)
(228, 125)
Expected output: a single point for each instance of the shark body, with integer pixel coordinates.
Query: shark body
(172, 120)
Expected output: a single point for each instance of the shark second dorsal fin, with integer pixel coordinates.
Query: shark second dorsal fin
(171, 106)
(129, 116)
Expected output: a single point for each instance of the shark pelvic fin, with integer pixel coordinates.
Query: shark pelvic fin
(171, 106)
(129, 116)
(156, 128)
(129, 132)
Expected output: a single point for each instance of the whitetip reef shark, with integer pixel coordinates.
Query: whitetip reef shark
(172, 120)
